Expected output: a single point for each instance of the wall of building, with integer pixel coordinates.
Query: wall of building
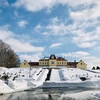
(61, 63)
(24, 64)
(82, 65)
(44, 63)
(52, 62)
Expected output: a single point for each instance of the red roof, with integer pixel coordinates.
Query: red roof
(61, 59)
(34, 63)
(53, 57)
(44, 59)
(72, 64)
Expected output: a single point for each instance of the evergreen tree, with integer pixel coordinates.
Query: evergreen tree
(98, 67)
(93, 68)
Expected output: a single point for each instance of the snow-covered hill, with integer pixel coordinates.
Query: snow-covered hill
(25, 78)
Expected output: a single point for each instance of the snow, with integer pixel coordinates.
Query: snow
(24, 78)
(55, 75)
(86, 95)
(4, 88)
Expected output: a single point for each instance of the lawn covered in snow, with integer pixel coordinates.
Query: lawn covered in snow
(20, 79)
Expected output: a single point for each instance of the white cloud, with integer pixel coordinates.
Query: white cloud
(38, 28)
(92, 61)
(85, 56)
(22, 23)
(84, 15)
(34, 5)
(78, 54)
(77, 31)
(55, 45)
(55, 29)
(18, 46)
(90, 11)
(85, 39)
(74, 3)
(32, 57)
(5, 33)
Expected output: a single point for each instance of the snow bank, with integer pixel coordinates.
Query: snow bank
(24, 78)
(4, 88)
(18, 84)
(86, 95)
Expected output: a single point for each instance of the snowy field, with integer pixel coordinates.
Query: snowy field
(20, 79)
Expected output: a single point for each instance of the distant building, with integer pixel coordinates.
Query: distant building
(81, 65)
(24, 64)
(33, 64)
(54, 61)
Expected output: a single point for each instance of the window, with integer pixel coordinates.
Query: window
(52, 62)
(52, 57)
(24, 63)
(81, 63)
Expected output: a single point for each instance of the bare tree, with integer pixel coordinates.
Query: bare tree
(8, 57)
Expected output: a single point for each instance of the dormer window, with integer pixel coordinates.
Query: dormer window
(52, 57)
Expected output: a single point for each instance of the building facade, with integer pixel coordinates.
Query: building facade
(81, 65)
(24, 64)
(54, 61)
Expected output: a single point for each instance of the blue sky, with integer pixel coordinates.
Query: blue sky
(67, 28)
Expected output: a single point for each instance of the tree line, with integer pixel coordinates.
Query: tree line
(8, 58)
(95, 68)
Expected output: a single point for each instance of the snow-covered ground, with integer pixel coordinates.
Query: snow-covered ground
(24, 78)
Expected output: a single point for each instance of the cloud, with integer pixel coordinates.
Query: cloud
(54, 28)
(35, 5)
(16, 44)
(92, 61)
(83, 13)
(78, 32)
(55, 45)
(38, 28)
(84, 40)
(32, 57)
(19, 46)
(75, 3)
(5, 33)
(78, 54)
(85, 56)
(22, 23)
